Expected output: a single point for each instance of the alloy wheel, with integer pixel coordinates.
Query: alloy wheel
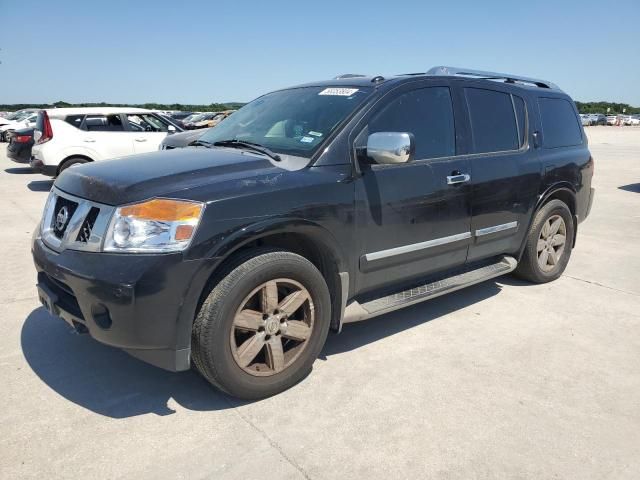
(272, 327)
(551, 243)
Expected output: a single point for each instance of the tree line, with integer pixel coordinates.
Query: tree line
(212, 107)
(601, 107)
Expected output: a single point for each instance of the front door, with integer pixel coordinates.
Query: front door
(146, 131)
(413, 219)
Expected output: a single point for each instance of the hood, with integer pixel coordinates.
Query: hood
(169, 173)
(182, 139)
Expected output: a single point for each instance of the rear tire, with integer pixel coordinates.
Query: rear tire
(247, 340)
(72, 162)
(549, 244)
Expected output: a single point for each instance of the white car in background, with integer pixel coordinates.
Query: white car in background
(634, 120)
(23, 120)
(71, 136)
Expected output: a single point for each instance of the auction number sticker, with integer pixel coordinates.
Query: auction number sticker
(341, 92)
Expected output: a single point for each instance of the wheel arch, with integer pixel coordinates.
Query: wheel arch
(68, 158)
(305, 238)
(562, 191)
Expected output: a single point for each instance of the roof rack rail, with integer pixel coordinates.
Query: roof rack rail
(349, 75)
(507, 77)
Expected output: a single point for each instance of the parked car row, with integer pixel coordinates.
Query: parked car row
(20, 119)
(589, 119)
(53, 140)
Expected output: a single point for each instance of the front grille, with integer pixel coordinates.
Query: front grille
(87, 226)
(62, 213)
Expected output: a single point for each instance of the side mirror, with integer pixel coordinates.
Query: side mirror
(171, 129)
(389, 148)
(37, 135)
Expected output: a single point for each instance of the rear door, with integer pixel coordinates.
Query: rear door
(504, 166)
(146, 131)
(105, 135)
(411, 222)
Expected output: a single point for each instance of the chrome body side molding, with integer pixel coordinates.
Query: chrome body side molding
(496, 228)
(416, 246)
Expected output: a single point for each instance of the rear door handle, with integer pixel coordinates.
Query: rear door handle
(459, 178)
(141, 139)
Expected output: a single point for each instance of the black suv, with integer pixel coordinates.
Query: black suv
(311, 207)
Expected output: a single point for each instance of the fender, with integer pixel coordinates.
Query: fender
(242, 236)
(542, 199)
(280, 225)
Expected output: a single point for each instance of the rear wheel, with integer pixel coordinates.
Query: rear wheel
(263, 325)
(72, 162)
(549, 244)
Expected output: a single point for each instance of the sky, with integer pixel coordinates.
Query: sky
(220, 51)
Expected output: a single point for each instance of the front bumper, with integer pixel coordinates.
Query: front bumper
(144, 304)
(39, 166)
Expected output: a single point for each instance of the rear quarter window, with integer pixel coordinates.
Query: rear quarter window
(75, 120)
(560, 127)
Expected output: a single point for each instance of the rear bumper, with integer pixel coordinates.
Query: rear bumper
(592, 193)
(143, 304)
(39, 166)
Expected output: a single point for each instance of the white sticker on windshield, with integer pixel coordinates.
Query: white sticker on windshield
(315, 134)
(342, 92)
(307, 139)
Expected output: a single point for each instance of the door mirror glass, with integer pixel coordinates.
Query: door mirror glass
(390, 147)
(171, 129)
(37, 134)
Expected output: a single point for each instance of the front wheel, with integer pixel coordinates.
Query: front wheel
(263, 325)
(549, 244)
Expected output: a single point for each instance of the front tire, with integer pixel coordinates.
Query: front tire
(263, 325)
(549, 244)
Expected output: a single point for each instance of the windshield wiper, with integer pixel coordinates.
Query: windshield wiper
(256, 147)
(201, 143)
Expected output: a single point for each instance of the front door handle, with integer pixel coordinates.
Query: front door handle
(141, 139)
(458, 178)
(89, 140)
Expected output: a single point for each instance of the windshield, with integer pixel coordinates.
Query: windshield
(291, 122)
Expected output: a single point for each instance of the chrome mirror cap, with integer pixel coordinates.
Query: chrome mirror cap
(390, 147)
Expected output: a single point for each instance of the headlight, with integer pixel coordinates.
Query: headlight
(158, 225)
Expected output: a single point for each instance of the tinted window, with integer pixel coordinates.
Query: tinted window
(559, 123)
(103, 123)
(521, 114)
(75, 120)
(428, 114)
(493, 121)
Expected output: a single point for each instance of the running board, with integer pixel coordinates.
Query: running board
(356, 312)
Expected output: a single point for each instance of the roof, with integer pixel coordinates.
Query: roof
(62, 112)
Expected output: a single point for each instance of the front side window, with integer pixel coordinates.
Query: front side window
(145, 123)
(291, 122)
(559, 123)
(493, 121)
(427, 113)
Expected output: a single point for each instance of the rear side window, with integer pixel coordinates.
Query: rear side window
(493, 121)
(560, 126)
(428, 114)
(75, 120)
(103, 123)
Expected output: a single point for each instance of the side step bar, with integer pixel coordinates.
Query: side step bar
(356, 312)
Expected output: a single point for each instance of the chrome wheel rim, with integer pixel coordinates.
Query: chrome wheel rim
(272, 327)
(551, 243)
